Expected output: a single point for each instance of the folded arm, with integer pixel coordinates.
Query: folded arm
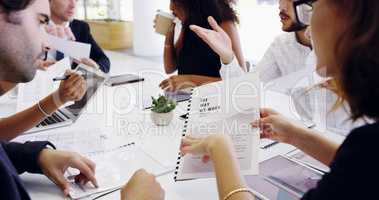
(97, 54)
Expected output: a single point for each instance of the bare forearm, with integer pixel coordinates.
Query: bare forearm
(315, 145)
(201, 80)
(237, 49)
(227, 169)
(169, 57)
(231, 29)
(18, 123)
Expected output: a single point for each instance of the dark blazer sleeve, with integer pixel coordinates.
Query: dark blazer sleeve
(24, 157)
(83, 34)
(97, 54)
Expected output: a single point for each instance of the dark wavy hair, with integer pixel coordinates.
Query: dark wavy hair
(197, 11)
(14, 5)
(228, 12)
(357, 54)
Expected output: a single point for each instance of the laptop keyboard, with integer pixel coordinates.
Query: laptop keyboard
(53, 119)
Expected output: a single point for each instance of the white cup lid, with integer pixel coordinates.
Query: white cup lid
(165, 14)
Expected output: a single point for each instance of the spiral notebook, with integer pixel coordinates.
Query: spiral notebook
(225, 107)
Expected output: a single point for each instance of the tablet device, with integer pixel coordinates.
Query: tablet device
(178, 96)
(283, 179)
(123, 79)
(264, 190)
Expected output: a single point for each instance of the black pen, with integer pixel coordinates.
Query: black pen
(270, 145)
(62, 78)
(45, 58)
(65, 77)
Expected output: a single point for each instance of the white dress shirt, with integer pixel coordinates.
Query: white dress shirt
(284, 56)
(52, 55)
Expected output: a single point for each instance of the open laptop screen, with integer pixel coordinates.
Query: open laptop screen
(94, 80)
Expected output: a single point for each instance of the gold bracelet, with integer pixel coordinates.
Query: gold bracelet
(167, 46)
(236, 191)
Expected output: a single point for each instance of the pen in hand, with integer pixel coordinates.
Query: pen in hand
(66, 77)
(62, 78)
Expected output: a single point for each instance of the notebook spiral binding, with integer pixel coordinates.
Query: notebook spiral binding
(185, 126)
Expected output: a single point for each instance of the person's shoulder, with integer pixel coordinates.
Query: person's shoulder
(364, 135)
(370, 129)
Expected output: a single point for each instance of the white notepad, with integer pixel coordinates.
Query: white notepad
(115, 167)
(226, 107)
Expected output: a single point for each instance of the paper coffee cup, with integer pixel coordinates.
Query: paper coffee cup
(163, 22)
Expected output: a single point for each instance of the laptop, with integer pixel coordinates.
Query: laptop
(68, 115)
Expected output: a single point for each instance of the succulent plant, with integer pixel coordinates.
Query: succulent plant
(163, 104)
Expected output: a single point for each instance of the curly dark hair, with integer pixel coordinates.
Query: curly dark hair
(357, 54)
(197, 11)
(228, 12)
(14, 5)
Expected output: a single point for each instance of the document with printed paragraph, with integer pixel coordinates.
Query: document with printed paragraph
(226, 107)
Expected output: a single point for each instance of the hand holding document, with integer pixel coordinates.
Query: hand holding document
(226, 107)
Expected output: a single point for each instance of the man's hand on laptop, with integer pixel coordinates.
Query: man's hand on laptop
(72, 89)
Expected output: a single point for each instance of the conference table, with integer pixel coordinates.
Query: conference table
(117, 115)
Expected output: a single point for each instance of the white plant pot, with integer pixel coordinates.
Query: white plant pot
(162, 119)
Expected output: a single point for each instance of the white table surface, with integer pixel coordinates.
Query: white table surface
(118, 110)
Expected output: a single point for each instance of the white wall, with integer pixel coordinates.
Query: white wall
(260, 24)
(146, 41)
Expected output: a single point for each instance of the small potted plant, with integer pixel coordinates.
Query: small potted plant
(162, 110)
